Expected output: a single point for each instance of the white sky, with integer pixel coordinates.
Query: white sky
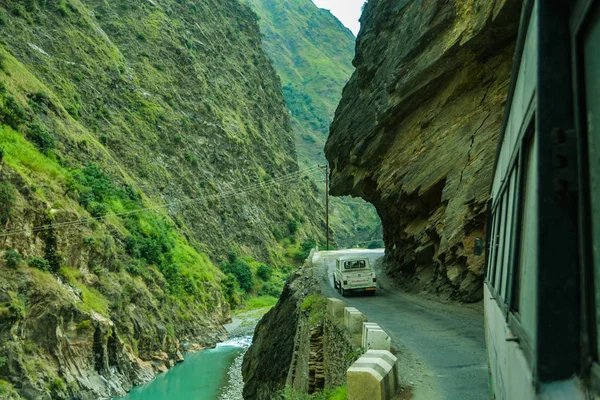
(347, 11)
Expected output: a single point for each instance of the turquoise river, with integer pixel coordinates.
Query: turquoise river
(202, 376)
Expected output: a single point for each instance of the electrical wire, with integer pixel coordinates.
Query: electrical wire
(284, 179)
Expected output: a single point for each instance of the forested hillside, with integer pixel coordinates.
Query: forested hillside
(142, 144)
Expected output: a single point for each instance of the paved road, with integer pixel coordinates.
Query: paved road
(447, 339)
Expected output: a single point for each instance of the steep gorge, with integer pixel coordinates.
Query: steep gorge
(416, 130)
(312, 53)
(141, 142)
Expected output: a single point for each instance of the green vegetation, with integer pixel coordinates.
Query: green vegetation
(338, 393)
(8, 197)
(7, 390)
(11, 113)
(39, 263)
(14, 309)
(13, 258)
(242, 272)
(41, 138)
(128, 135)
(264, 272)
(85, 325)
(256, 303)
(250, 284)
(315, 304)
(312, 52)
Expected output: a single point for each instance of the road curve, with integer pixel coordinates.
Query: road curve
(448, 339)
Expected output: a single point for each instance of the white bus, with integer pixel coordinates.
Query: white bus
(542, 290)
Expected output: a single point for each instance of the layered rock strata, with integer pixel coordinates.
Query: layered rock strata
(416, 130)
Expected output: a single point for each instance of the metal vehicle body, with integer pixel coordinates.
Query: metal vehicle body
(542, 289)
(353, 274)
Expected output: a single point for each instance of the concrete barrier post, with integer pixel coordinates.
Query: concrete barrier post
(364, 332)
(353, 320)
(391, 359)
(335, 307)
(375, 338)
(372, 376)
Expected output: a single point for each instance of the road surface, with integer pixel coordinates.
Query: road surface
(441, 346)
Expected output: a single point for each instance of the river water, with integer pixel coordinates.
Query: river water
(204, 375)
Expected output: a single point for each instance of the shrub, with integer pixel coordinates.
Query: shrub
(264, 272)
(12, 258)
(41, 97)
(230, 284)
(98, 210)
(41, 138)
(374, 244)
(175, 279)
(293, 226)
(58, 385)
(73, 110)
(132, 247)
(270, 289)
(151, 250)
(11, 113)
(39, 263)
(8, 198)
(242, 273)
(93, 177)
(308, 245)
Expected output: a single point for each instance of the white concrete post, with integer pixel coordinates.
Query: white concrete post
(353, 320)
(335, 307)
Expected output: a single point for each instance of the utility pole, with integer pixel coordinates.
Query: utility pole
(326, 166)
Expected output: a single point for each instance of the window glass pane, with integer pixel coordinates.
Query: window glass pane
(509, 234)
(528, 246)
(592, 80)
(492, 254)
(500, 242)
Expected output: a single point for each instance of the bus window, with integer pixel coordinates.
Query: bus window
(492, 251)
(508, 234)
(501, 243)
(592, 80)
(526, 275)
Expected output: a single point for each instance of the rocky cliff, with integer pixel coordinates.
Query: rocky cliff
(415, 132)
(140, 142)
(297, 349)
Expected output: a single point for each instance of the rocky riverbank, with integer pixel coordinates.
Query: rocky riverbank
(240, 331)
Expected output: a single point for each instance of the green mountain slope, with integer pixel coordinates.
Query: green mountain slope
(312, 53)
(141, 144)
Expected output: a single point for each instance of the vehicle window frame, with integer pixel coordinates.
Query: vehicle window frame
(586, 12)
(525, 144)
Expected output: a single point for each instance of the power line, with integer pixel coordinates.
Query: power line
(231, 193)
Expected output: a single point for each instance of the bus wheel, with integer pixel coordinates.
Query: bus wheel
(342, 291)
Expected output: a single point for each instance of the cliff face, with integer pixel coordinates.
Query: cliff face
(312, 53)
(140, 142)
(415, 132)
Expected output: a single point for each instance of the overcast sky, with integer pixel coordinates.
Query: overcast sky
(347, 11)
